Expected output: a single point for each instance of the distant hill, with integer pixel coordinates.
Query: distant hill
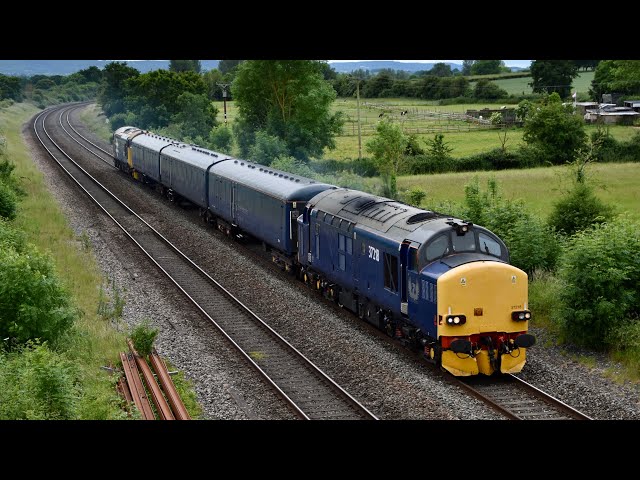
(373, 66)
(66, 67)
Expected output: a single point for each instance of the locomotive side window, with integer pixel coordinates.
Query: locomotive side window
(488, 245)
(413, 259)
(341, 253)
(464, 243)
(391, 272)
(345, 247)
(438, 247)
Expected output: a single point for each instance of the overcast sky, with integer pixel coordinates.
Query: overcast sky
(508, 63)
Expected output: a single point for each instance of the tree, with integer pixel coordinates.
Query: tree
(212, 78)
(586, 64)
(466, 67)
(228, 66)
(441, 70)
(580, 208)
(91, 74)
(33, 302)
(10, 87)
(376, 86)
(185, 66)
(196, 115)
(550, 76)
(555, 131)
(113, 90)
(288, 99)
(600, 274)
(153, 96)
(388, 148)
(488, 90)
(616, 76)
(328, 72)
(486, 67)
(497, 120)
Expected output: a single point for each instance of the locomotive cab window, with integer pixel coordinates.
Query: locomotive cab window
(464, 243)
(488, 245)
(438, 247)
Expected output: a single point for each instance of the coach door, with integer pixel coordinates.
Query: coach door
(293, 226)
(409, 278)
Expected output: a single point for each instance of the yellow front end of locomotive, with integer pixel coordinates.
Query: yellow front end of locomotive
(481, 297)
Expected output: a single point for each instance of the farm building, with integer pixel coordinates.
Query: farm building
(582, 107)
(611, 115)
(633, 104)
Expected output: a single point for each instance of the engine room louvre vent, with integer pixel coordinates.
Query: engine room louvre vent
(421, 217)
(364, 203)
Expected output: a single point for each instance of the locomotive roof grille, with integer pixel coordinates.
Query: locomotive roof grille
(422, 217)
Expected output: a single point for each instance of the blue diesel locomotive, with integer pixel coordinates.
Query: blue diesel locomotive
(436, 283)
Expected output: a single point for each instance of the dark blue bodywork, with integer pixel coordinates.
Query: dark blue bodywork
(261, 201)
(379, 258)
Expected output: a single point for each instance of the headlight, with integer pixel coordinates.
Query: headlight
(456, 320)
(521, 316)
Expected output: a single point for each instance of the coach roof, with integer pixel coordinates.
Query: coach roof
(151, 141)
(275, 183)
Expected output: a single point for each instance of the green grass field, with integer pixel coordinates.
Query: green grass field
(618, 184)
(520, 86)
(424, 118)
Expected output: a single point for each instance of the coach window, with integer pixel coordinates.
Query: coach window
(391, 272)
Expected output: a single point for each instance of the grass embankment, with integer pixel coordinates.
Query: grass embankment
(96, 343)
(94, 119)
(44, 224)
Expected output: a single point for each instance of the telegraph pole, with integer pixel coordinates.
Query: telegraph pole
(224, 87)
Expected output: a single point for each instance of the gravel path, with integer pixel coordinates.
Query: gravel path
(387, 379)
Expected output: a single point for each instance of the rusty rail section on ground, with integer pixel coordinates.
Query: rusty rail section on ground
(144, 387)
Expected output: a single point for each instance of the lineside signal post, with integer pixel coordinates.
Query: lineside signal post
(224, 87)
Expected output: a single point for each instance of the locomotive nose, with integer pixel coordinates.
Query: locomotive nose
(492, 298)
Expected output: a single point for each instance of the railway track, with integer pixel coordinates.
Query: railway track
(519, 400)
(508, 395)
(309, 392)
